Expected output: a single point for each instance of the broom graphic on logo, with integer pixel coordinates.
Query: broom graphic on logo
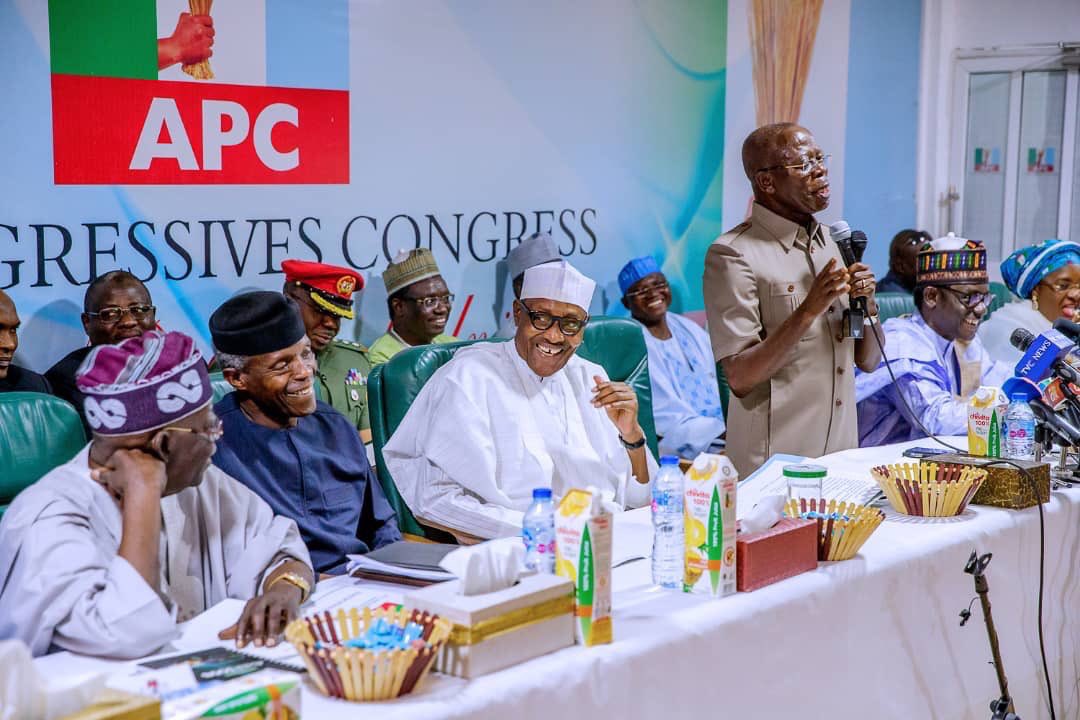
(200, 70)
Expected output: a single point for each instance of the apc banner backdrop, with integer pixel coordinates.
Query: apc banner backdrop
(345, 131)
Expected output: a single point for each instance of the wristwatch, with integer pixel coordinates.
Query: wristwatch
(294, 579)
(632, 445)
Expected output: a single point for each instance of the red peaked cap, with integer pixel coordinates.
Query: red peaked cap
(331, 287)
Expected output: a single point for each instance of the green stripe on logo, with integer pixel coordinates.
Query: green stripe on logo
(106, 38)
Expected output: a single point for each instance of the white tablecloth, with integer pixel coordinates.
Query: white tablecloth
(875, 637)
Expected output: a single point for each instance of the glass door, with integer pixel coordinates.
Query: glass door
(1038, 184)
(984, 168)
(1021, 148)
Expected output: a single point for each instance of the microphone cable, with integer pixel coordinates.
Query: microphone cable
(874, 324)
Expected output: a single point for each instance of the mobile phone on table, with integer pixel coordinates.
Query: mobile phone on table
(925, 452)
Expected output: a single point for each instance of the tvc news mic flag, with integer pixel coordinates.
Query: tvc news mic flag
(1043, 354)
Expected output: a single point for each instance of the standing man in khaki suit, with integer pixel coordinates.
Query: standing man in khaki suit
(775, 290)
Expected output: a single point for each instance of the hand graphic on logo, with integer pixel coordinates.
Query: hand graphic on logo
(190, 43)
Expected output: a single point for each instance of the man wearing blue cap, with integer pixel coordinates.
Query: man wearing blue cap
(686, 399)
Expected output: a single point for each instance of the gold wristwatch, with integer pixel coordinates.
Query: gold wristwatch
(294, 579)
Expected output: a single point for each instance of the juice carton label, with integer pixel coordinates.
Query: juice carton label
(710, 491)
(583, 536)
(986, 420)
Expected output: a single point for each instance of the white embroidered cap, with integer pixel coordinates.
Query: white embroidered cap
(558, 281)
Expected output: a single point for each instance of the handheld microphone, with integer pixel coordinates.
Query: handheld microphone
(852, 244)
(1044, 355)
(1068, 328)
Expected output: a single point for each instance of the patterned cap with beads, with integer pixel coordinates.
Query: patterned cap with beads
(951, 260)
(409, 267)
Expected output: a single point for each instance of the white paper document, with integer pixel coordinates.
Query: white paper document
(769, 480)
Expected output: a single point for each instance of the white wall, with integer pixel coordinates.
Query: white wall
(984, 23)
(958, 27)
(822, 112)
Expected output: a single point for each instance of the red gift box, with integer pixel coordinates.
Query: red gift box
(767, 556)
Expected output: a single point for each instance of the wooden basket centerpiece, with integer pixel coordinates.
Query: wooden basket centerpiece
(929, 489)
(368, 654)
(843, 527)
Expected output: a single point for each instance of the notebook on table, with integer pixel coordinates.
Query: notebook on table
(407, 563)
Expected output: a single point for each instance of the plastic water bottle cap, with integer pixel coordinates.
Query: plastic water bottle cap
(1018, 397)
(669, 460)
(541, 493)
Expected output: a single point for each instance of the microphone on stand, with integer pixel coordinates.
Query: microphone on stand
(1048, 353)
(1068, 328)
(852, 244)
(1055, 423)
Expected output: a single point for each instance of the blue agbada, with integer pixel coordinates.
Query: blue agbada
(930, 375)
(316, 473)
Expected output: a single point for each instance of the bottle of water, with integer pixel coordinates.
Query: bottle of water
(538, 532)
(1019, 430)
(669, 540)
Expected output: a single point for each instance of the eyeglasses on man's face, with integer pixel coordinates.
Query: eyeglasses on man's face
(804, 166)
(112, 315)
(432, 301)
(212, 433)
(657, 287)
(541, 320)
(970, 300)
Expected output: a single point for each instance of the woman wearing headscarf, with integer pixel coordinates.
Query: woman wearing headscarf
(1047, 279)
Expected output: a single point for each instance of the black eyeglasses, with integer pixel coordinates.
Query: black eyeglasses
(658, 287)
(805, 165)
(970, 300)
(431, 301)
(568, 326)
(112, 315)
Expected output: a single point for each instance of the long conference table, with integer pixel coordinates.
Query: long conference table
(877, 636)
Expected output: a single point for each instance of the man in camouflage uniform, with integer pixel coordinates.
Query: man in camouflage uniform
(324, 295)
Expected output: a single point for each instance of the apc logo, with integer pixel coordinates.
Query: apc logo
(165, 93)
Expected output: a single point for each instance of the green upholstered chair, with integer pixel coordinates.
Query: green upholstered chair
(37, 433)
(616, 344)
(725, 389)
(220, 385)
(892, 305)
(1002, 296)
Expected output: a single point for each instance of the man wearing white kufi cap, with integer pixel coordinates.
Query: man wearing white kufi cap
(537, 249)
(501, 419)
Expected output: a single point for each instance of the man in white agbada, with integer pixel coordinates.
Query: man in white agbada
(106, 553)
(501, 419)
